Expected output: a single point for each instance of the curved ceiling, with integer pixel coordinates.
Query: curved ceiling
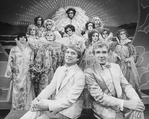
(111, 12)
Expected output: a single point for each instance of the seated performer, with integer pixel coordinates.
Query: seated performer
(67, 85)
(112, 95)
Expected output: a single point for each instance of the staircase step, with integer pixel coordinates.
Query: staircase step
(3, 57)
(4, 93)
(5, 105)
(3, 66)
(145, 98)
(15, 114)
(4, 82)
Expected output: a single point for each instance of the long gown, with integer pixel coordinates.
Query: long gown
(48, 57)
(125, 51)
(18, 71)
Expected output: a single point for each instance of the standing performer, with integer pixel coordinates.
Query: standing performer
(70, 15)
(18, 70)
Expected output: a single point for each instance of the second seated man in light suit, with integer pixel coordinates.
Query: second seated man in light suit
(67, 102)
(111, 93)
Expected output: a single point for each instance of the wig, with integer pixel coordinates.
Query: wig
(36, 19)
(51, 21)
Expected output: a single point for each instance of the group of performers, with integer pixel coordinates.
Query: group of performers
(40, 51)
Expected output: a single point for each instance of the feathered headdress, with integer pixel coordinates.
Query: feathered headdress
(79, 20)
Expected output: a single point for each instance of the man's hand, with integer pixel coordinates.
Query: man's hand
(136, 105)
(137, 114)
(42, 105)
(39, 104)
(33, 104)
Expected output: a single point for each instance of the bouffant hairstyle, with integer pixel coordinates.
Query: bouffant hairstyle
(90, 34)
(105, 29)
(30, 27)
(71, 27)
(86, 25)
(21, 35)
(101, 24)
(119, 31)
(71, 9)
(36, 19)
(49, 21)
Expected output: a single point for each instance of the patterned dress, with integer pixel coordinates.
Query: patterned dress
(127, 51)
(47, 58)
(18, 71)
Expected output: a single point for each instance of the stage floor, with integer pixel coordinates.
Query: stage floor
(3, 113)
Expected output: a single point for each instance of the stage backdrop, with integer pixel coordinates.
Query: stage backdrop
(141, 42)
(133, 15)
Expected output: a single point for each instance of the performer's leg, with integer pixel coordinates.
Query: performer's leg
(49, 115)
(130, 115)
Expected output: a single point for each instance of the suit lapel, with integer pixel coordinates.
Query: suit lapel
(104, 76)
(116, 81)
(100, 73)
(59, 79)
(69, 75)
(114, 77)
(105, 79)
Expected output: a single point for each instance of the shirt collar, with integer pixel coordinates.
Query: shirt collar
(70, 67)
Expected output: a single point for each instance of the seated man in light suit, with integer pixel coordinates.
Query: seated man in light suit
(67, 100)
(112, 95)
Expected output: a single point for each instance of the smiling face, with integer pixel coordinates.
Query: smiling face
(101, 54)
(71, 57)
(69, 31)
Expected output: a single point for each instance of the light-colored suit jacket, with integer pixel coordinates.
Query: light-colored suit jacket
(67, 99)
(104, 105)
